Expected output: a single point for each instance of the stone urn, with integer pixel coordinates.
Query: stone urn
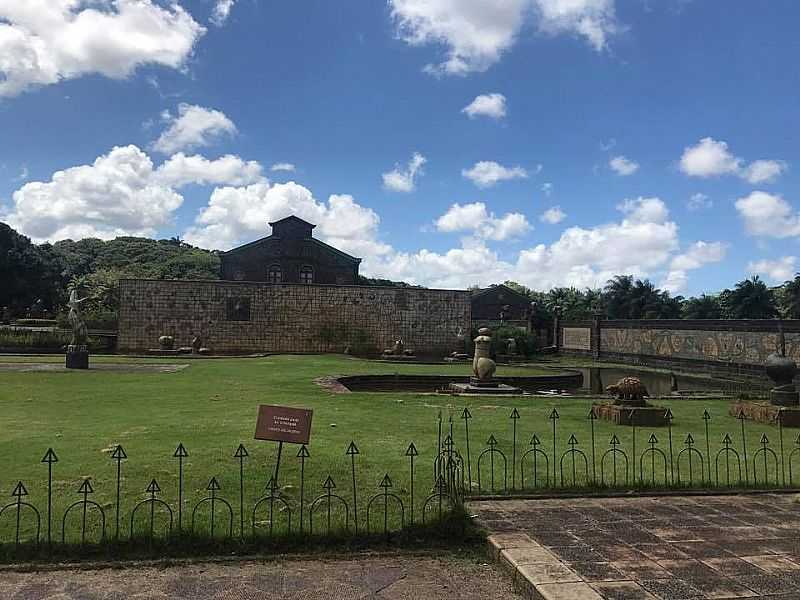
(781, 370)
(166, 342)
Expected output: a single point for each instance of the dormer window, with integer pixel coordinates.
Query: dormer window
(274, 274)
(307, 275)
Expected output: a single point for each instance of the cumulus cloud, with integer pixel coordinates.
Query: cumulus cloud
(696, 256)
(116, 195)
(698, 202)
(475, 218)
(553, 215)
(547, 188)
(764, 171)
(404, 180)
(623, 166)
(487, 105)
(193, 127)
(283, 166)
(476, 33)
(713, 158)
(487, 173)
(594, 20)
(45, 41)
(180, 170)
(222, 10)
(120, 193)
(235, 215)
(644, 210)
(768, 215)
(776, 271)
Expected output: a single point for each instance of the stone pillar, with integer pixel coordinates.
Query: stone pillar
(557, 328)
(597, 317)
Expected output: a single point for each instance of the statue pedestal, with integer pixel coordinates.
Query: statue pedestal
(77, 357)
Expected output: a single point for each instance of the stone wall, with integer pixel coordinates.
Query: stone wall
(244, 317)
(712, 343)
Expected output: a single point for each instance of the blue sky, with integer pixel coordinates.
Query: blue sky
(657, 138)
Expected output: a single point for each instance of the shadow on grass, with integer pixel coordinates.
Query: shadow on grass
(454, 530)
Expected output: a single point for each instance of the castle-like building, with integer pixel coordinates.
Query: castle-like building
(290, 255)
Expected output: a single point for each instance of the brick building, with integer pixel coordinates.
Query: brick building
(290, 255)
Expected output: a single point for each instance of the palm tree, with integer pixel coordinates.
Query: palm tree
(703, 307)
(751, 299)
(790, 298)
(618, 294)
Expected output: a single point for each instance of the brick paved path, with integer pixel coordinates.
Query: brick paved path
(668, 548)
(396, 578)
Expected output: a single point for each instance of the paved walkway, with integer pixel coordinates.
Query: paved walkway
(667, 548)
(396, 578)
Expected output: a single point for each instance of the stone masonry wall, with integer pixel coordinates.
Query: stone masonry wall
(237, 318)
(736, 345)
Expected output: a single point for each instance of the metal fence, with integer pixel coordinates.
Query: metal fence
(647, 459)
(229, 514)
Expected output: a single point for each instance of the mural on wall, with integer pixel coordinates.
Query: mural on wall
(256, 317)
(724, 346)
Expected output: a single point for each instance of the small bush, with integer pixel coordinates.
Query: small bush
(36, 322)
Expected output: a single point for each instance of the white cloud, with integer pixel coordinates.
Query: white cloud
(709, 158)
(644, 210)
(235, 215)
(487, 105)
(284, 166)
(487, 173)
(180, 170)
(120, 193)
(475, 218)
(699, 201)
(640, 243)
(222, 10)
(768, 215)
(400, 180)
(23, 174)
(764, 171)
(712, 158)
(553, 215)
(45, 41)
(116, 195)
(547, 188)
(696, 256)
(594, 20)
(476, 33)
(776, 271)
(193, 127)
(623, 166)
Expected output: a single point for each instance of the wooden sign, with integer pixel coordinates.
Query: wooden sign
(283, 424)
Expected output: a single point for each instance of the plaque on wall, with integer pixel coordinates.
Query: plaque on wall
(238, 309)
(577, 338)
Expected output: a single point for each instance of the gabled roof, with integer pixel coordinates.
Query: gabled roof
(312, 240)
(501, 288)
(292, 218)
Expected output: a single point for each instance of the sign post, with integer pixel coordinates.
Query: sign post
(283, 424)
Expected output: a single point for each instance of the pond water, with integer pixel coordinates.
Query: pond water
(595, 380)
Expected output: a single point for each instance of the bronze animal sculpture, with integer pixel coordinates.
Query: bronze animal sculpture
(628, 390)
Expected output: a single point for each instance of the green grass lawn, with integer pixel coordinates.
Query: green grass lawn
(211, 408)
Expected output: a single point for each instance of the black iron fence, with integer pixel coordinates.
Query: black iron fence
(229, 513)
(648, 458)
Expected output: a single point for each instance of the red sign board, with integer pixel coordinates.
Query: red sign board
(283, 424)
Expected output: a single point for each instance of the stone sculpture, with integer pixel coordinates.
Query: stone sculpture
(629, 390)
(483, 367)
(77, 352)
(166, 342)
(511, 346)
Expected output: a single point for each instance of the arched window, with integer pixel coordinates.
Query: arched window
(307, 275)
(274, 274)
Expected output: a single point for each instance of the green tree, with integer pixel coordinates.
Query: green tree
(750, 299)
(703, 307)
(788, 296)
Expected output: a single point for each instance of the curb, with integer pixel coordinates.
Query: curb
(536, 572)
